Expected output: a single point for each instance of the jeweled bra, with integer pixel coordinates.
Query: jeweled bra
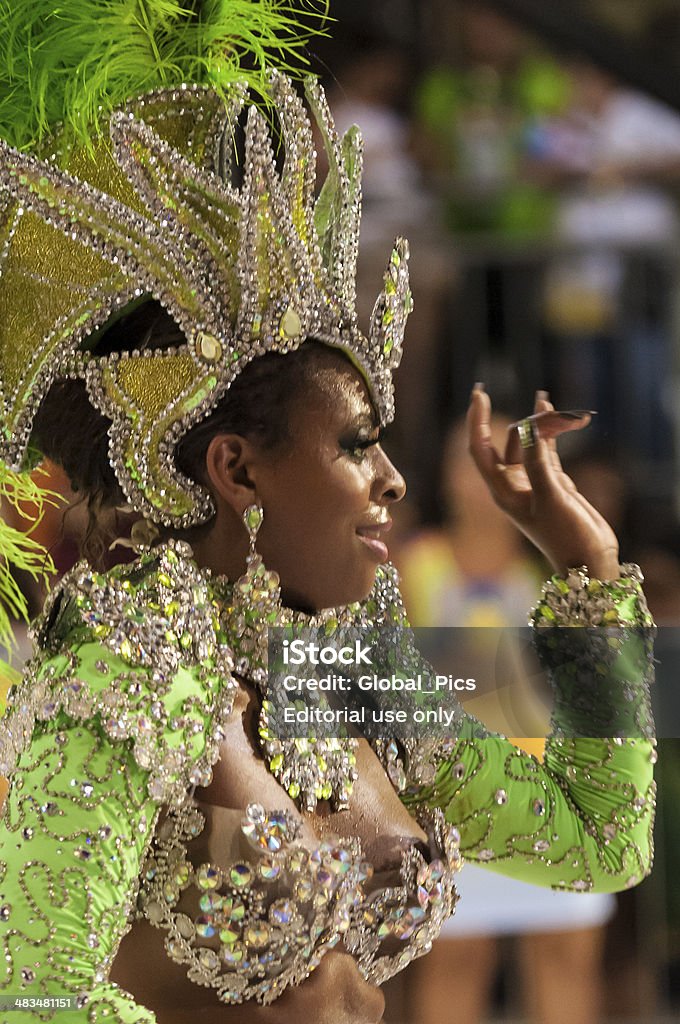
(253, 926)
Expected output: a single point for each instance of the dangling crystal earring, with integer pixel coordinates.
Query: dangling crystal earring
(321, 769)
(259, 585)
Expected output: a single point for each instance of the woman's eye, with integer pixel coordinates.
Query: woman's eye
(358, 449)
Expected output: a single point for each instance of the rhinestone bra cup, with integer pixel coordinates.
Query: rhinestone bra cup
(265, 921)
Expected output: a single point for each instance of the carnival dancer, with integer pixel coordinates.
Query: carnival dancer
(177, 331)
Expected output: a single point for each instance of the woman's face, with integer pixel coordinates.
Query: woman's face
(327, 494)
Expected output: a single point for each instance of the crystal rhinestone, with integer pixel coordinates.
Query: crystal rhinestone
(303, 889)
(233, 908)
(208, 959)
(82, 854)
(458, 770)
(104, 832)
(342, 920)
(208, 346)
(282, 912)
(87, 789)
(27, 833)
(253, 518)
(208, 877)
(185, 926)
(325, 878)
(405, 926)
(181, 875)
(154, 912)
(92, 941)
(298, 860)
(232, 955)
(609, 831)
(434, 872)
(5, 911)
(229, 934)
(50, 808)
(82, 1000)
(150, 869)
(396, 775)
(257, 935)
(339, 860)
(170, 892)
(436, 895)
(205, 926)
(175, 950)
(486, 855)
(538, 807)
(423, 896)
(240, 875)
(255, 812)
(291, 324)
(268, 870)
(500, 796)
(541, 845)
(211, 903)
(453, 836)
(27, 974)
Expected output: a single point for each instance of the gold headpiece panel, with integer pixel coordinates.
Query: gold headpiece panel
(243, 271)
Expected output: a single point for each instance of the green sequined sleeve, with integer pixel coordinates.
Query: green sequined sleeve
(581, 820)
(107, 725)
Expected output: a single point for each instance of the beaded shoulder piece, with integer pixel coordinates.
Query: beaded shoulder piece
(153, 212)
(140, 649)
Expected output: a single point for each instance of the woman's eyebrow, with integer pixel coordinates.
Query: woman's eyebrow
(366, 419)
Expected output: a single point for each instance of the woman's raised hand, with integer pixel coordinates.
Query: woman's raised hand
(529, 484)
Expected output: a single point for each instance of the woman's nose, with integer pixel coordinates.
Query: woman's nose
(390, 481)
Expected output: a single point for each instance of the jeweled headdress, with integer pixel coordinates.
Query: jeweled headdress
(148, 208)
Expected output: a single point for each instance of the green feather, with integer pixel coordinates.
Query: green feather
(18, 550)
(72, 63)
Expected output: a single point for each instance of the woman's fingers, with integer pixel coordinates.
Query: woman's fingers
(542, 427)
(504, 486)
(530, 461)
(482, 450)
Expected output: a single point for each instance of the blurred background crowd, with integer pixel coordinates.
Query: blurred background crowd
(531, 154)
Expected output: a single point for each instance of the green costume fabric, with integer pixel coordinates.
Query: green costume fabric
(119, 714)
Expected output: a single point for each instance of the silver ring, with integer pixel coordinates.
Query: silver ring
(527, 432)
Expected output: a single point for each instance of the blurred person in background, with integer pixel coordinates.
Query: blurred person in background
(609, 293)
(476, 571)
(478, 115)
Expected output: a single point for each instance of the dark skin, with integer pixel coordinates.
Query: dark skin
(327, 494)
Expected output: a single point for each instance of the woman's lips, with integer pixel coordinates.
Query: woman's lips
(371, 536)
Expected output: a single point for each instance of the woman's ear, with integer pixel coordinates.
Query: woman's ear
(229, 461)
